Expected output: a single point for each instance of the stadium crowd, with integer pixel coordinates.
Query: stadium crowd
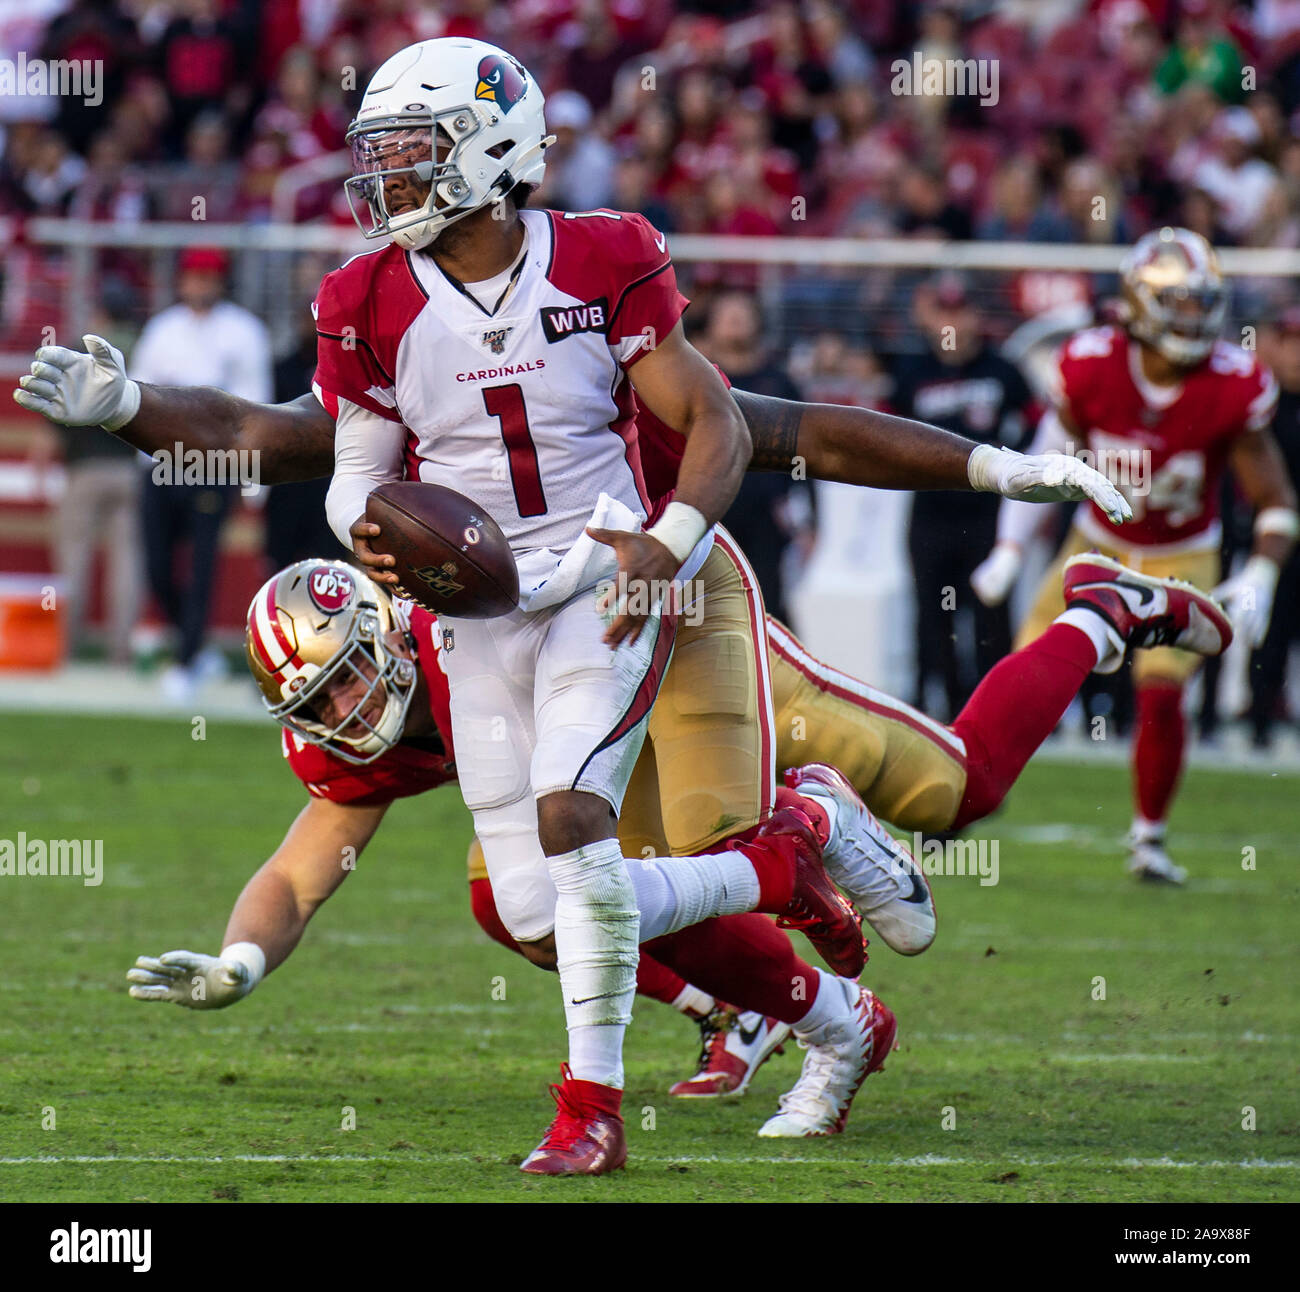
(1106, 118)
(710, 115)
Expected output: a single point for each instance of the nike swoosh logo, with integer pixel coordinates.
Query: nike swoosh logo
(661, 242)
(748, 1035)
(588, 999)
(1142, 592)
(918, 893)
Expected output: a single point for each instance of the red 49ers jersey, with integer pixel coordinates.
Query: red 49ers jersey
(527, 410)
(1166, 453)
(406, 769)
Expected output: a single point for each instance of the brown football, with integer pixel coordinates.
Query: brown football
(452, 557)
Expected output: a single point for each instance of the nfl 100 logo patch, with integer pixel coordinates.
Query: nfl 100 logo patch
(495, 339)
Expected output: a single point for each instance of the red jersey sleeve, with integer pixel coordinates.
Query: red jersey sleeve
(645, 303)
(1075, 378)
(1259, 392)
(356, 347)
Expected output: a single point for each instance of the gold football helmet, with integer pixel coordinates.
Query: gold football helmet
(316, 632)
(1174, 294)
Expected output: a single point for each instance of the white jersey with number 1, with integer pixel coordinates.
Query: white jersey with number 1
(526, 410)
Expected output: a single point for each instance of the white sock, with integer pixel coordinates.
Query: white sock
(828, 805)
(596, 1052)
(675, 893)
(693, 1002)
(1145, 831)
(830, 1007)
(1094, 628)
(597, 930)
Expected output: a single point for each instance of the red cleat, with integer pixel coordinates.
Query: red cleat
(1144, 610)
(734, 1046)
(586, 1137)
(816, 908)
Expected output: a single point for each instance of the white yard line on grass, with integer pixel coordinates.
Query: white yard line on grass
(425, 1159)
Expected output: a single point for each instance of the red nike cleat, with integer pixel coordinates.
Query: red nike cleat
(816, 908)
(734, 1046)
(586, 1137)
(1144, 610)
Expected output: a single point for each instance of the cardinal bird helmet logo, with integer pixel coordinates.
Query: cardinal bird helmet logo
(501, 80)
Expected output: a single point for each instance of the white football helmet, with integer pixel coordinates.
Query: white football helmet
(471, 98)
(321, 621)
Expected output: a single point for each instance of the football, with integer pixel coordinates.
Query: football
(452, 557)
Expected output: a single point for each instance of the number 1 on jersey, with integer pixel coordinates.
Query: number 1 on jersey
(506, 404)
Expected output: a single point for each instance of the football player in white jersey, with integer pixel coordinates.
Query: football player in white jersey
(494, 351)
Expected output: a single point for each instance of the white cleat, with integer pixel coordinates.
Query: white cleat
(841, 1055)
(1149, 861)
(873, 869)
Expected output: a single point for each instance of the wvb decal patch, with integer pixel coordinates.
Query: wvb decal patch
(559, 321)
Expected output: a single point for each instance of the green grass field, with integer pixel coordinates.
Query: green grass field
(387, 1008)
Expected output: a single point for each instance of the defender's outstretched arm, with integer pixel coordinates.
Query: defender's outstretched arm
(863, 447)
(295, 441)
(317, 855)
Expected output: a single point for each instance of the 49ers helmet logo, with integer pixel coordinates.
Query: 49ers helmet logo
(500, 80)
(330, 589)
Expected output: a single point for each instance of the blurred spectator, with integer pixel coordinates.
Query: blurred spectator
(1091, 204)
(1241, 183)
(794, 79)
(633, 192)
(50, 174)
(772, 509)
(1280, 348)
(109, 189)
(925, 210)
(200, 60)
(96, 32)
(202, 340)
(100, 511)
(598, 52)
(830, 369)
(1202, 51)
(580, 164)
(845, 56)
(965, 386)
(1019, 212)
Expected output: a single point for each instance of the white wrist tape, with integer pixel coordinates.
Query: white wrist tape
(986, 467)
(1277, 520)
(127, 408)
(679, 529)
(1261, 570)
(251, 956)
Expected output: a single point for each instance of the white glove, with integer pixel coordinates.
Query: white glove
(995, 576)
(77, 389)
(1248, 598)
(1044, 477)
(194, 980)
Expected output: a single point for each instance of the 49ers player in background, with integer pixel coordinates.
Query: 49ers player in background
(1167, 406)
